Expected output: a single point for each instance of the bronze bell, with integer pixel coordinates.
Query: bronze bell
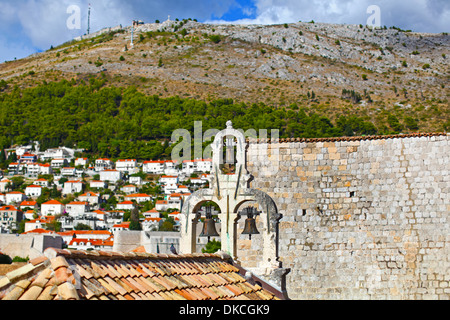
(250, 222)
(209, 226)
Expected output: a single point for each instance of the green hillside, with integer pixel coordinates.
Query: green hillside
(120, 122)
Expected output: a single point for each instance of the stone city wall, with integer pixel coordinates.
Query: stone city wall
(364, 218)
(28, 245)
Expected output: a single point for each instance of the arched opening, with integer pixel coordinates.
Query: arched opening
(201, 212)
(228, 158)
(249, 251)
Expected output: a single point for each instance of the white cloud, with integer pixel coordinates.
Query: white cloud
(418, 15)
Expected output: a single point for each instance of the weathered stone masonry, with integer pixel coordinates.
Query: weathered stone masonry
(363, 218)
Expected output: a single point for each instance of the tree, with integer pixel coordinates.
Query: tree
(183, 32)
(394, 123)
(134, 220)
(215, 38)
(82, 226)
(212, 246)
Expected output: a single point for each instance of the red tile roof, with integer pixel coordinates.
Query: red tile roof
(84, 232)
(79, 203)
(39, 231)
(52, 202)
(356, 138)
(126, 202)
(99, 275)
(8, 208)
(28, 203)
(137, 195)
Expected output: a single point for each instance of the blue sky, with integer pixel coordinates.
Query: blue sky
(29, 26)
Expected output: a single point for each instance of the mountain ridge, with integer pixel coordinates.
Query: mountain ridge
(322, 67)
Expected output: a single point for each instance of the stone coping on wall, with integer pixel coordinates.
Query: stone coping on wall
(355, 138)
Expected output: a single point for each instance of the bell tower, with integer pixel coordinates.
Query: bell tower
(229, 188)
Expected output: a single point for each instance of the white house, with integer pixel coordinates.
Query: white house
(198, 165)
(120, 227)
(91, 197)
(88, 244)
(197, 181)
(68, 172)
(151, 224)
(170, 167)
(168, 179)
(188, 167)
(4, 183)
(45, 168)
(38, 223)
(182, 189)
(128, 165)
(29, 214)
(42, 182)
(138, 197)
(103, 164)
(58, 153)
(203, 165)
(170, 188)
(33, 191)
(27, 158)
(98, 184)
(81, 162)
(15, 167)
(28, 204)
(175, 215)
(153, 167)
(33, 169)
(129, 189)
(125, 205)
(52, 207)
(174, 201)
(110, 175)
(58, 163)
(72, 186)
(135, 180)
(77, 208)
(15, 197)
(161, 205)
(153, 213)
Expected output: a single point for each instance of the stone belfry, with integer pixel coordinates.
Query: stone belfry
(229, 190)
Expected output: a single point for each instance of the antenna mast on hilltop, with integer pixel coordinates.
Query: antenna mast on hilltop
(89, 19)
(132, 34)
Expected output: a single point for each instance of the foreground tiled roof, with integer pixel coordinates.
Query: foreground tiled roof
(98, 275)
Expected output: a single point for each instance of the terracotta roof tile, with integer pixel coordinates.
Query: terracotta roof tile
(355, 138)
(99, 275)
(48, 293)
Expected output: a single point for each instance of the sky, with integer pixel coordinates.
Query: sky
(30, 26)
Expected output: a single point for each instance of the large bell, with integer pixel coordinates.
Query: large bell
(209, 226)
(250, 222)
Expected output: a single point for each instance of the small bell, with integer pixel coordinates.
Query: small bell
(209, 226)
(250, 222)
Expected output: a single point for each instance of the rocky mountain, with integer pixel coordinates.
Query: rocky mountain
(325, 68)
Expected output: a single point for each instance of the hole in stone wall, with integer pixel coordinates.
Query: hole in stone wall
(304, 212)
(352, 194)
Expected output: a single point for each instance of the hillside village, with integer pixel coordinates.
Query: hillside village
(87, 201)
